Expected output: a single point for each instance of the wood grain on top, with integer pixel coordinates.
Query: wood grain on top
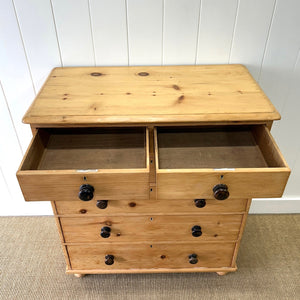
(145, 95)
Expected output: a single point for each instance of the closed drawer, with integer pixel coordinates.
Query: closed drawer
(142, 207)
(151, 228)
(194, 162)
(114, 162)
(150, 256)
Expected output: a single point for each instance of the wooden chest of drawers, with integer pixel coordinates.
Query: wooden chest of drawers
(151, 169)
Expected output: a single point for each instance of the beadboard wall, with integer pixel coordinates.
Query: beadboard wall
(38, 35)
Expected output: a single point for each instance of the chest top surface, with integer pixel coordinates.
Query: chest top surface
(148, 95)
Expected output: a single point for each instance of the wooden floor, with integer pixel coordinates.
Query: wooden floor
(32, 267)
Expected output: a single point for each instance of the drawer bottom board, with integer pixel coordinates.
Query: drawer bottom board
(151, 256)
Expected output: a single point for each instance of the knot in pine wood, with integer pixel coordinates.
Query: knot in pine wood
(143, 74)
(96, 74)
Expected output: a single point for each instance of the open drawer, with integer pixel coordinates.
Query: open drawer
(218, 162)
(99, 163)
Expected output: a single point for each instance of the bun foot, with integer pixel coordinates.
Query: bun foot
(79, 275)
(222, 273)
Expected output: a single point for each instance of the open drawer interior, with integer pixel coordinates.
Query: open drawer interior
(217, 147)
(87, 148)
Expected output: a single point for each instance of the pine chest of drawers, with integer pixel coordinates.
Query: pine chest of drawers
(151, 169)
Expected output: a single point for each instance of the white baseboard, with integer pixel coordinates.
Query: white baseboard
(275, 206)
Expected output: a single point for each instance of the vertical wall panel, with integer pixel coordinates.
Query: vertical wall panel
(281, 52)
(10, 154)
(109, 27)
(289, 124)
(292, 188)
(14, 71)
(5, 195)
(217, 19)
(72, 19)
(288, 133)
(251, 33)
(181, 22)
(145, 31)
(38, 31)
(10, 151)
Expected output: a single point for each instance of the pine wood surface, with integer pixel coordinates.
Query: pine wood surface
(151, 228)
(83, 272)
(181, 148)
(145, 95)
(95, 149)
(64, 185)
(142, 256)
(251, 182)
(242, 183)
(88, 148)
(61, 235)
(58, 184)
(151, 176)
(243, 224)
(268, 147)
(146, 207)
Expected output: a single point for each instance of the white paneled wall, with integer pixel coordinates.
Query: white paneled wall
(145, 19)
(109, 29)
(38, 35)
(253, 23)
(38, 32)
(15, 74)
(216, 28)
(73, 27)
(180, 31)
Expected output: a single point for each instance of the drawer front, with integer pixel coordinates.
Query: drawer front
(151, 228)
(114, 162)
(142, 207)
(191, 163)
(248, 184)
(66, 187)
(150, 256)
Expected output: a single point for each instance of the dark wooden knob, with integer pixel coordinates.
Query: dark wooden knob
(105, 232)
(193, 258)
(102, 204)
(109, 259)
(221, 191)
(86, 192)
(200, 202)
(196, 231)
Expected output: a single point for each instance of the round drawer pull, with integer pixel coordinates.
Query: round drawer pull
(221, 191)
(86, 192)
(105, 232)
(200, 203)
(109, 259)
(193, 258)
(196, 231)
(102, 204)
